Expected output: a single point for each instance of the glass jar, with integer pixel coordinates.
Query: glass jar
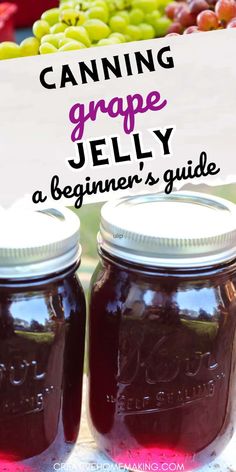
(42, 326)
(162, 354)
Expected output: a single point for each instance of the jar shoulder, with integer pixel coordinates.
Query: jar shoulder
(37, 305)
(200, 297)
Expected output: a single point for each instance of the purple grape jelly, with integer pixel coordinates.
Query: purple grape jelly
(42, 326)
(162, 354)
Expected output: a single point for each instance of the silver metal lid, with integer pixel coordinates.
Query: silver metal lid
(183, 229)
(37, 243)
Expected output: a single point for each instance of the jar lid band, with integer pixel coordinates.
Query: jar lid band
(34, 244)
(181, 230)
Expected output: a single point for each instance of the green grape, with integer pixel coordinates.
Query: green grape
(9, 50)
(29, 47)
(162, 4)
(98, 13)
(125, 15)
(134, 32)
(47, 48)
(111, 6)
(72, 17)
(83, 6)
(118, 24)
(66, 6)
(152, 17)
(147, 31)
(72, 46)
(97, 29)
(108, 41)
(53, 39)
(123, 4)
(58, 28)
(162, 25)
(51, 16)
(128, 38)
(120, 36)
(146, 5)
(136, 16)
(64, 41)
(79, 33)
(64, 3)
(100, 3)
(40, 28)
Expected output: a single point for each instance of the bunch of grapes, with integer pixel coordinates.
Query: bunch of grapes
(200, 15)
(79, 24)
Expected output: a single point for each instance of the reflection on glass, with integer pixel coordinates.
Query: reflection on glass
(160, 360)
(41, 367)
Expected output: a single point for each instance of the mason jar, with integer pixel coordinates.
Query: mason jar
(42, 326)
(162, 353)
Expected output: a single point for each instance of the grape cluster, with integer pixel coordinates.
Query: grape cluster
(79, 24)
(200, 15)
